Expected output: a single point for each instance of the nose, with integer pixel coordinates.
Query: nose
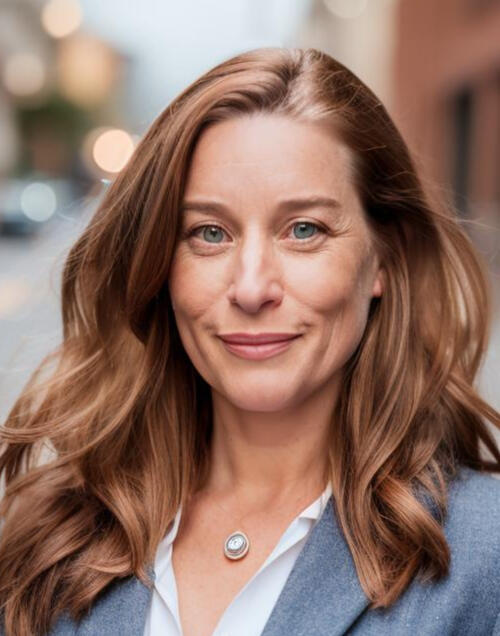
(256, 279)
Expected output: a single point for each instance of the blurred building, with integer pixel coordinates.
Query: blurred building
(24, 55)
(447, 102)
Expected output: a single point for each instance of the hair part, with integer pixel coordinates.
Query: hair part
(128, 420)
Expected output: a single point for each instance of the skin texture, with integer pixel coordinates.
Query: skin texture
(261, 271)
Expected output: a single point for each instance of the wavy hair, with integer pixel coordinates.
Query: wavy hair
(127, 419)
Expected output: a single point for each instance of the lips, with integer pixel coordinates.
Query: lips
(257, 339)
(258, 346)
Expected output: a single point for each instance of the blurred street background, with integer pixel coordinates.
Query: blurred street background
(82, 80)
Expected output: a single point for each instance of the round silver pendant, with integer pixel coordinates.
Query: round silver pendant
(236, 545)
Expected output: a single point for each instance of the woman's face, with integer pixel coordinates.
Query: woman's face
(259, 255)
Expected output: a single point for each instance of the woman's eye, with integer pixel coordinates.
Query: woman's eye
(304, 229)
(210, 233)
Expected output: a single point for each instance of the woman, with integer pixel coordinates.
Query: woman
(262, 416)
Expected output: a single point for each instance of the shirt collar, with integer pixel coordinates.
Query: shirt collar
(315, 510)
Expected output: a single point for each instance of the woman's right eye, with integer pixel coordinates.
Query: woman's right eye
(210, 232)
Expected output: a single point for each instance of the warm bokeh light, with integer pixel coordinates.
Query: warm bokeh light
(38, 201)
(112, 149)
(14, 292)
(23, 74)
(61, 17)
(87, 69)
(346, 8)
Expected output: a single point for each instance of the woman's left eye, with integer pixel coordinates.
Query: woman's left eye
(304, 227)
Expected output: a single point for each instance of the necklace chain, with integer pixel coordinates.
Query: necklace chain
(237, 543)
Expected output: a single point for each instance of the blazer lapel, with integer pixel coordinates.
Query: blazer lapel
(322, 594)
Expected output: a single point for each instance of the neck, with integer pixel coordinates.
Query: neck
(269, 456)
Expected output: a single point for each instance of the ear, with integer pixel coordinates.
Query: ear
(379, 282)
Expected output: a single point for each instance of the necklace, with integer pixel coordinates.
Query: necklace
(237, 543)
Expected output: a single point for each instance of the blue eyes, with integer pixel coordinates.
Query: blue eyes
(212, 232)
(302, 225)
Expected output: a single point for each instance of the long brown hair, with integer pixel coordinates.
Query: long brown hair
(125, 419)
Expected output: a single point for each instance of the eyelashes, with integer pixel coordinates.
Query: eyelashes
(319, 230)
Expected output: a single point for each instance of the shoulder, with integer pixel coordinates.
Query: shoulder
(474, 501)
(472, 525)
(466, 599)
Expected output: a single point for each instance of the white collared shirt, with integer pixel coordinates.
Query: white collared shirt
(249, 610)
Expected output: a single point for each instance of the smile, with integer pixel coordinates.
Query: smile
(258, 351)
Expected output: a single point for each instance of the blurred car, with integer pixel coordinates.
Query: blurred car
(30, 202)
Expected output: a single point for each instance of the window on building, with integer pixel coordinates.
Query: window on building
(462, 121)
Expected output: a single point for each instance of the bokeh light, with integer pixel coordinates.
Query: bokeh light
(112, 149)
(38, 201)
(86, 70)
(24, 74)
(61, 17)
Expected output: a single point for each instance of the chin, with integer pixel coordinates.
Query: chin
(261, 400)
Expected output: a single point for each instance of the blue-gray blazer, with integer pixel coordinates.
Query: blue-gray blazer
(322, 595)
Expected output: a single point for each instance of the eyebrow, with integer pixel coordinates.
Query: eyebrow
(288, 205)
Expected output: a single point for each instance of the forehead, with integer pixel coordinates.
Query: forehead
(268, 153)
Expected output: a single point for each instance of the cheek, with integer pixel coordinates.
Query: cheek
(327, 284)
(193, 286)
(337, 295)
(338, 299)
